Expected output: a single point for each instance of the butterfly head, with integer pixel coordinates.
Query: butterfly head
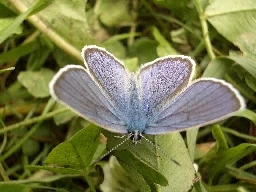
(135, 136)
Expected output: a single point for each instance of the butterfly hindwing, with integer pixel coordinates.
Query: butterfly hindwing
(74, 87)
(205, 101)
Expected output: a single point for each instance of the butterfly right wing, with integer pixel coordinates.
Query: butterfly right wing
(204, 102)
(163, 78)
(74, 88)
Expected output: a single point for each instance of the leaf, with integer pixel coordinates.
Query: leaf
(78, 151)
(119, 15)
(36, 82)
(245, 76)
(164, 48)
(18, 52)
(233, 19)
(148, 172)
(231, 156)
(13, 27)
(247, 63)
(144, 49)
(11, 187)
(131, 64)
(241, 175)
(217, 68)
(60, 170)
(179, 8)
(116, 179)
(64, 117)
(235, 78)
(68, 20)
(191, 136)
(179, 177)
(221, 143)
(249, 115)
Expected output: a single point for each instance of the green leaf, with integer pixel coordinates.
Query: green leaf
(179, 177)
(241, 175)
(245, 76)
(36, 82)
(231, 156)
(18, 52)
(191, 136)
(13, 27)
(239, 82)
(148, 172)
(78, 151)
(68, 20)
(233, 19)
(38, 58)
(217, 68)
(164, 48)
(144, 49)
(221, 144)
(179, 8)
(11, 187)
(64, 117)
(5, 22)
(247, 63)
(131, 64)
(249, 115)
(116, 179)
(119, 16)
(60, 170)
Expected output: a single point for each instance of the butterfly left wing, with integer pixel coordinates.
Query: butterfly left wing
(73, 87)
(109, 73)
(205, 101)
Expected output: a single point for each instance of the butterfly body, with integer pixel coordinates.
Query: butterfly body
(159, 98)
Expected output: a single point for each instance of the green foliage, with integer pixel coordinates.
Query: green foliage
(40, 137)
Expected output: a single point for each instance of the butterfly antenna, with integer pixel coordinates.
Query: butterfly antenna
(162, 151)
(111, 150)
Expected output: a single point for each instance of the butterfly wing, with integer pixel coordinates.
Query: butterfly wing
(162, 79)
(205, 101)
(74, 87)
(109, 73)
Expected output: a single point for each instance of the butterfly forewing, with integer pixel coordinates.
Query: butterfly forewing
(74, 87)
(162, 79)
(204, 102)
(109, 73)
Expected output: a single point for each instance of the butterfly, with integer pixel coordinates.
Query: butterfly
(159, 98)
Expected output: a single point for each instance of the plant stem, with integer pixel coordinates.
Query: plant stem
(89, 181)
(3, 173)
(205, 31)
(238, 134)
(33, 120)
(46, 30)
(17, 145)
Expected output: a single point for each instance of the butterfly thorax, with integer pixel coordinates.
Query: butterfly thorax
(137, 121)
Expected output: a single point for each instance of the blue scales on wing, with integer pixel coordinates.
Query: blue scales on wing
(161, 80)
(110, 75)
(205, 101)
(74, 87)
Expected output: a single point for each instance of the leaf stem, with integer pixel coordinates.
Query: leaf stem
(46, 30)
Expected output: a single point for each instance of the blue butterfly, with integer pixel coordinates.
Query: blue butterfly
(159, 98)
